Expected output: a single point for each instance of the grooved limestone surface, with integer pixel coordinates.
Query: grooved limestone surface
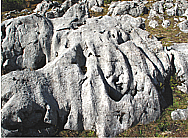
(104, 74)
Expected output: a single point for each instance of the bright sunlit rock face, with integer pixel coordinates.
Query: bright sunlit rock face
(104, 74)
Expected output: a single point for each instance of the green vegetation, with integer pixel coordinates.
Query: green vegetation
(73, 133)
(8, 5)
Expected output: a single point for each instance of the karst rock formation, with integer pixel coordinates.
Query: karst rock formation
(83, 73)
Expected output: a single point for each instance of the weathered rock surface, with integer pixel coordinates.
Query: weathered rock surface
(43, 7)
(30, 46)
(180, 52)
(97, 9)
(58, 10)
(153, 23)
(103, 74)
(24, 104)
(26, 45)
(166, 23)
(133, 8)
(53, 9)
(180, 114)
(172, 9)
(92, 3)
(184, 26)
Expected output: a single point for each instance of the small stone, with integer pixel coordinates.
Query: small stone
(166, 23)
(153, 23)
(176, 19)
(179, 114)
(181, 19)
(6, 14)
(25, 10)
(171, 12)
(168, 5)
(183, 26)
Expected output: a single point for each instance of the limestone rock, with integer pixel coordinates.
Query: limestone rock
(97, 9)
(180, 114)
(158, 7)
(24, 10)
(184, 26)
(28, 111)
(78, 10)
(186, 13)
(92, 3)
(30, 46)
(153, 23)
(168, 5)
(166, 23)
(27, 44)
(181, 19)
(56, 9)
(13, 12)
(152, 14)
(180, 52)
(104, 75)
(59, 10)
(172, 9)
(178, 8)
(43, 7)
(127, 7)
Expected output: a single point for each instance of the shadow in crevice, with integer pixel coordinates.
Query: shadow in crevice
(160, 38)
(130, 73)
(80, 59)
(62, 120)
(114, 94)
(152, 61)
(168, 91)
(165, 97)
